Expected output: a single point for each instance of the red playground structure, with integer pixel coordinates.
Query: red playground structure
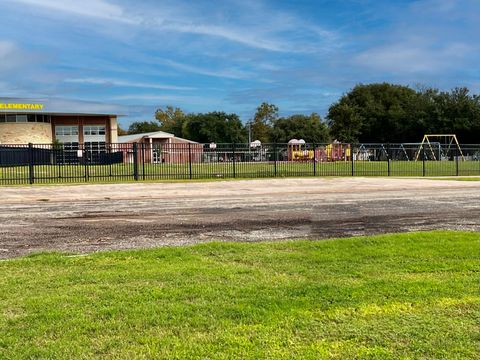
(336, 151)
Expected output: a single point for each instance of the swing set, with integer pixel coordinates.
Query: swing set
(449, 142)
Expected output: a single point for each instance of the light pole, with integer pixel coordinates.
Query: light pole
(249, 122)
(213, 147)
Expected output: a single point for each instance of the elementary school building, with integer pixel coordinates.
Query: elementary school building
(64, 131)
(24, 121)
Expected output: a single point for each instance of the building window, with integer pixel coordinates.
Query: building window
(66, 134)
(94, 151)
(94, 130)
(96, 147)
(43, 118)
(66, 130)
(94, 134)
(67, 153)
(22, 118)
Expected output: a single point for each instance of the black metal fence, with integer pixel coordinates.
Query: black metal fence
(100, 162)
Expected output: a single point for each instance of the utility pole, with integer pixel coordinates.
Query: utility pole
(249, 122)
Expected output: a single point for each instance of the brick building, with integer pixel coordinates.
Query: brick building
(37, 121)
(163, 147)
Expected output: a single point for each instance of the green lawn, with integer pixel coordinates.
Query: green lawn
(462, 178)
(124, 172)
(405, 296)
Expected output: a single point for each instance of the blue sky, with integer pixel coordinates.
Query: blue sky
(231, 55)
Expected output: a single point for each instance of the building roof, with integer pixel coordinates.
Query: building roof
(151, 135)
(57, 106)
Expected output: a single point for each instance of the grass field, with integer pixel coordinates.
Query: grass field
(124, 172)
(463, 178)
(397, 296)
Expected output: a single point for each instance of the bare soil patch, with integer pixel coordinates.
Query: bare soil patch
(88, 218)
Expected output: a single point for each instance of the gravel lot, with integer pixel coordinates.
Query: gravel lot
(88, 218)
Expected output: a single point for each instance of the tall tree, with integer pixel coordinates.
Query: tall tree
(265, 117)
(140, 127)
(309, 128)
(218, 127)
(458, 112)
(373, 113)
(171, 119)
(395, 113)
(345, 122)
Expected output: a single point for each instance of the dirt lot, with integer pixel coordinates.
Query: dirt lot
(87, 218)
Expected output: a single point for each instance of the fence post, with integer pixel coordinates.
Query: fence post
(388, 159)
(423, 160)
(190, 159)
(352, 160)
(234, 169)
(275, 158)
(456, 163)
(143, 160)
(135, 161)
(314, 161)
(109, 147)
(31, 168)
(85, 162)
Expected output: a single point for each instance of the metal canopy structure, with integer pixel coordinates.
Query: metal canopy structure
(450, 140)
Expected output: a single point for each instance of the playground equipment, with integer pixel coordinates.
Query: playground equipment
(298, 151)
(437, 150)
(374, 152)
(403, 151)
(362, 154)
(337, 151)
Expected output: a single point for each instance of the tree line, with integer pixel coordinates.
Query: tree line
(220, 127)
(380, 113)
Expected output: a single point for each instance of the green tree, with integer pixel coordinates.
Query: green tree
(140, 127)
(121, 131)
(455, 112)
(458, 113)
(218, 127)
(373, 113)
(171, 120)
(345, 121)
(309, 128)
(395, 113)
(265, 117)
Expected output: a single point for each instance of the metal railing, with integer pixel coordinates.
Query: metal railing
(100, 162)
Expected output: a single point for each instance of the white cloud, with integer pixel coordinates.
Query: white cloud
(124, 83)
(256, 26)
(436, 6)
(231, 74)
(13, 58)
(245, 37)
(10, 56)
(90, 8)
(432, 41)
(6, 48)
(177, 99)
(408, 58)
